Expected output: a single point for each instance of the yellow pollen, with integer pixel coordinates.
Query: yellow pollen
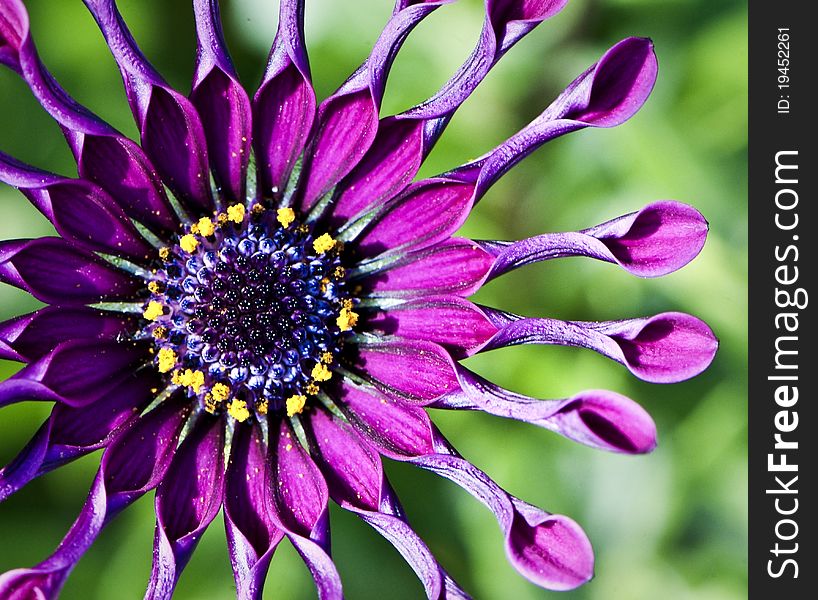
(327, 357)
(347, 319)
(164, 253)
(192, 379)
(153, 311)
(206, 226)
(312, 389)
(236, 213)
(188, 243)
(258, 209)
(339, 272)
(153, 287)
(160, 332)
(321, 373)
(323, 243)
(285, 216)
(348, 304)
(176, 377)
(262, 407)
(167, 358)
(238, 410)
(210, 404)
(295, 405)
(220, 392)
(221, 218)
(194, 229)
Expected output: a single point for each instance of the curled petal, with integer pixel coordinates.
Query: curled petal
(13, 30)
(171, 130)
(655, 241)
(80, 210)
(221, 102)
(187, 500)
(413, 371)
(597, 418)
(134, 464)
(347, 121)
(665, 348)
(252, 537)
(453, 322)
(30, 337)
(455, 266)
(57, 272)
(284, 105)
(75, 373)
(549, 550)
(71, 432)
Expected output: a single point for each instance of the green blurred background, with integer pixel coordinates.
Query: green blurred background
(670, 524)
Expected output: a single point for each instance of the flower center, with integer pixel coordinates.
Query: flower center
(249, 311)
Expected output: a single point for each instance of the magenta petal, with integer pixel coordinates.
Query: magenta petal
(13, 29)
(454, 266)
(284, 105)
(427, 213)
(453, 322)
(396, 429)
(187, 500)
(57, 272)
(659, 239)
(415, 371)
(596, 418)
(665, 348)
(30, 337)
(252, 537)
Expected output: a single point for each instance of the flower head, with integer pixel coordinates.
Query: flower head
(261, 297)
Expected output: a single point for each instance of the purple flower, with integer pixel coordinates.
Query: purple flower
(251, 307)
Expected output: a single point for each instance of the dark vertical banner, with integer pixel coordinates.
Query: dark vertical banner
(783, 184)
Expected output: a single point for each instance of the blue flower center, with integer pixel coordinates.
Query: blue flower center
(248, 312)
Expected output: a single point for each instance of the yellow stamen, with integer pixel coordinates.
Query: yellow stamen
(176, 377)
(153, 287)
(238, 410)
(339, 272)
(347, 319)
(321, 373)
(348, 304)
(327, 357)
(153, 311)
(206, 226)
(258, 209)
(194, 229)
(192, 379)
(221, 218)
(236, 213)
(262, 407)
(164, 253)
(312, 389)
(221, 392)
(160, 332)
(295, 405)
(167, 359)
(323, 243)
(210, 404)
(285, 216)
(188, 243)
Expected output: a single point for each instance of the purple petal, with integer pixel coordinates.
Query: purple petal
(414, 371)
(607, 94)
(454, 266)
(171, 130)
(30, 337)
(252, 537)
(222, 103)
(427, 213)
(103, 155)
(187, 500)
(76, 373)
(80, 210)
(657, 240)
(665, 348)
(73, 432)
(549, 550)
(351, 468)
(347, 121)
(596, 418)
(57, 272)
(13, 29)
(284, 105)
(135, 463)
(396, 429)
(450, 321)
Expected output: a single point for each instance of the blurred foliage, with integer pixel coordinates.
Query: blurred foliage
(673, 523)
